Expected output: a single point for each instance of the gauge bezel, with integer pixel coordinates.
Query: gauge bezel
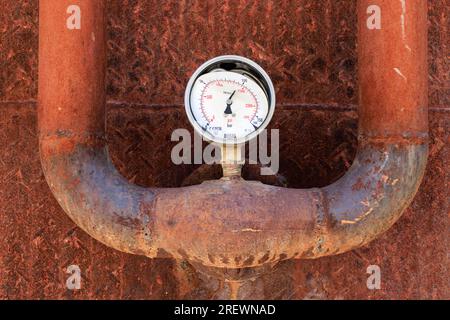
(235, 63)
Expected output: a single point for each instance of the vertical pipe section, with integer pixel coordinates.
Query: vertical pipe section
(393, 74)
(393, 125)
(72, 69)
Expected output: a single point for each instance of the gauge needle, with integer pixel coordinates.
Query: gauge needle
(229, 103)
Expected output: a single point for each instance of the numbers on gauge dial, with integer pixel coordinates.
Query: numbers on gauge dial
(228, 106)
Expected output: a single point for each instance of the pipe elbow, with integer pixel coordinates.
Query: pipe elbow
(373, 194)
(234, 224)
(96, 197)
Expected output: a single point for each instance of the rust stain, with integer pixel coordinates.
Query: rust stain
(137, 87)
(189, 223)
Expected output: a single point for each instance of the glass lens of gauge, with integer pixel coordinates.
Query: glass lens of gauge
(228, 107)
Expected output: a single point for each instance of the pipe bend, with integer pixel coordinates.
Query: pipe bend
(372, 195)
(247, 224)
(234, 224)
(94, 194)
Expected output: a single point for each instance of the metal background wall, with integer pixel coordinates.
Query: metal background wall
(308, 47)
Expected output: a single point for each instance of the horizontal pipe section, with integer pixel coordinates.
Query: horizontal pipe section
(237, 223)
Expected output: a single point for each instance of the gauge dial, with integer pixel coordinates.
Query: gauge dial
(230, 100)
(228, 106)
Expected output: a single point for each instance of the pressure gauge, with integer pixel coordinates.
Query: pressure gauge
(230, 100)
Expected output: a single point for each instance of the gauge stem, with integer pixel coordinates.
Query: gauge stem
(232, 161)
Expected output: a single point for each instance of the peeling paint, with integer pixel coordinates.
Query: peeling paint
(247, 230)
(358, 219)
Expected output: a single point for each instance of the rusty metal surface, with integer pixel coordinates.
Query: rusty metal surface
(238, 223)
(40, 241)
(150, 177)
(169, 42)
(393, 71)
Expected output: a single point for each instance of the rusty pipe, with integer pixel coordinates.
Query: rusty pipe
(235, 224)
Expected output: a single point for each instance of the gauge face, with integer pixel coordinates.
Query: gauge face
(228, 107)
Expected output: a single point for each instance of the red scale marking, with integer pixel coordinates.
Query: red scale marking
(210, 97)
